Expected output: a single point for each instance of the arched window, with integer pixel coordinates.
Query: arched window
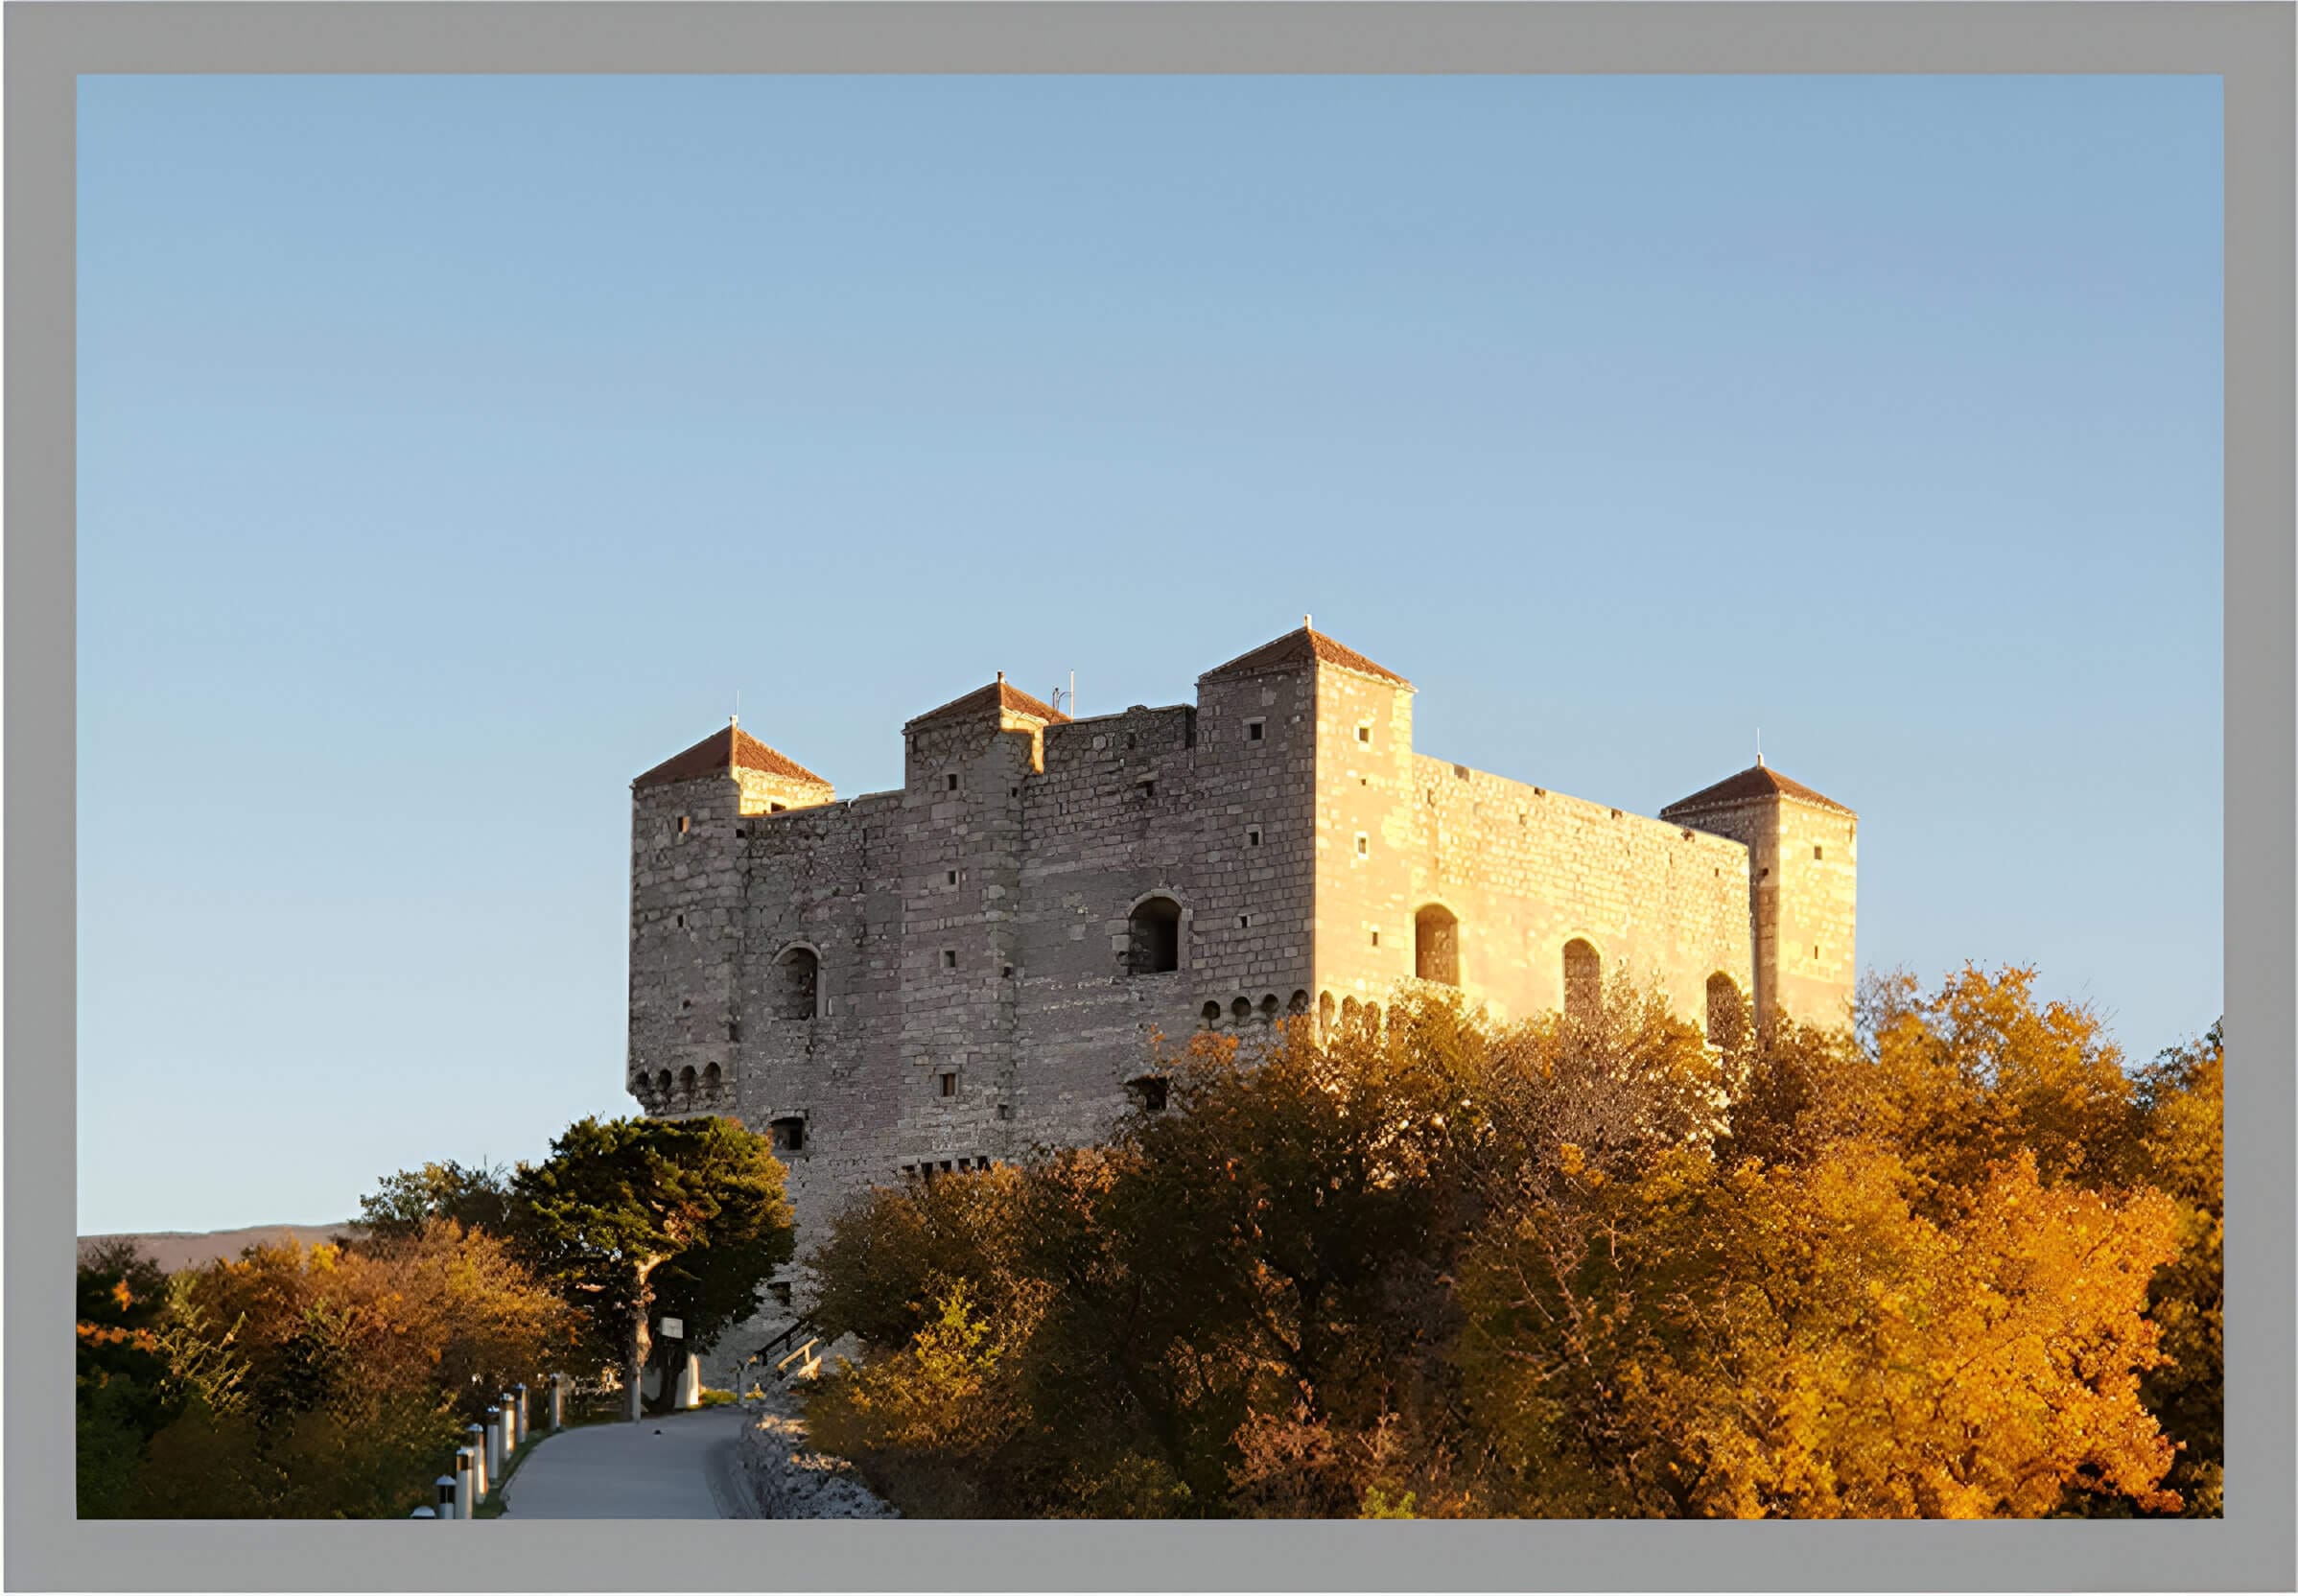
(1241, 1010)
(800, 984)
(1726, 1012)
(1324, 1018)
(686, 1087)
(1212, 1015)
(662, 1088)
(711, 1080)
(1583, 980)
(1267, 1007)
(1436, 945)
(1298, 1004)
(1152, 946)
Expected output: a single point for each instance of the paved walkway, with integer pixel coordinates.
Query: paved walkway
(678, 1466)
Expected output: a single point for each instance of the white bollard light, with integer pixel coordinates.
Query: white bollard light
(478, 1450)
(558, 1402)
(466, 1493)
(422, 1513)
(522, 1413)
(494, 1449)
(446, 1490)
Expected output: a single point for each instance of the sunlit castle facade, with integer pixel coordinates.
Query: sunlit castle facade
(940, 976)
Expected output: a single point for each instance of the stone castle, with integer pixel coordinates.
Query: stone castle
(934, 978)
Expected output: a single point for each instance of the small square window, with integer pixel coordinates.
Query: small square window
(953, 878)
(1817, 851)
(1244, 921)
(1148, 789)
(951, 780)
(949, 958)
(1252, 836)
(949, 1083)
(1364, 734)
(1255, 730)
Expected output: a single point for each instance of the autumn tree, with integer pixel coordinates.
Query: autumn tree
(331, 1381)
(2181, 1102)
(1800, 1342)
(1579, 1265)
(631, 1215)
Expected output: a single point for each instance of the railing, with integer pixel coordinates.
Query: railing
(775, 1354)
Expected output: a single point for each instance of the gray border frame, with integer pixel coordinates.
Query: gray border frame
(2249, 45)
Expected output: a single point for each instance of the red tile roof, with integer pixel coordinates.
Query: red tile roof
(999, 696)
(1757, 781)
(1298, 649)
(720, 754)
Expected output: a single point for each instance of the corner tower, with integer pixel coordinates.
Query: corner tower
(687, 883)
(1803, 876)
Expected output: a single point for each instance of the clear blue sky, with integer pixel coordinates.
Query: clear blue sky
(453, 448)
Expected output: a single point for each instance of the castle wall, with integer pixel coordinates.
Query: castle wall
(686, 898)
(1818, 872)
(1366, 837)
(1526, 870)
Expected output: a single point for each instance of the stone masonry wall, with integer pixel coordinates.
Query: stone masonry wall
(972, 995)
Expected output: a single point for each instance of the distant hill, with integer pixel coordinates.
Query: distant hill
(173, 1250)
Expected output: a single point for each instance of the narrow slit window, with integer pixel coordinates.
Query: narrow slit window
(949, 1083)
(949, 958)
(1364, 846)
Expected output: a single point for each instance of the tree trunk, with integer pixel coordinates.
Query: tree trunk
(641, 1341)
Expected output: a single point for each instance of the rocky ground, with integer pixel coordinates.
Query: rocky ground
(788, 1479)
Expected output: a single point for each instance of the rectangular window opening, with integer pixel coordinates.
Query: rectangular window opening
(1375, 939)
(683, 822)
(1254, 730)
(949, 1083)
(1364, 846)
(951, 780)
(1364, 734)
(1817, 851)
(949, 958)
(1252, 836)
